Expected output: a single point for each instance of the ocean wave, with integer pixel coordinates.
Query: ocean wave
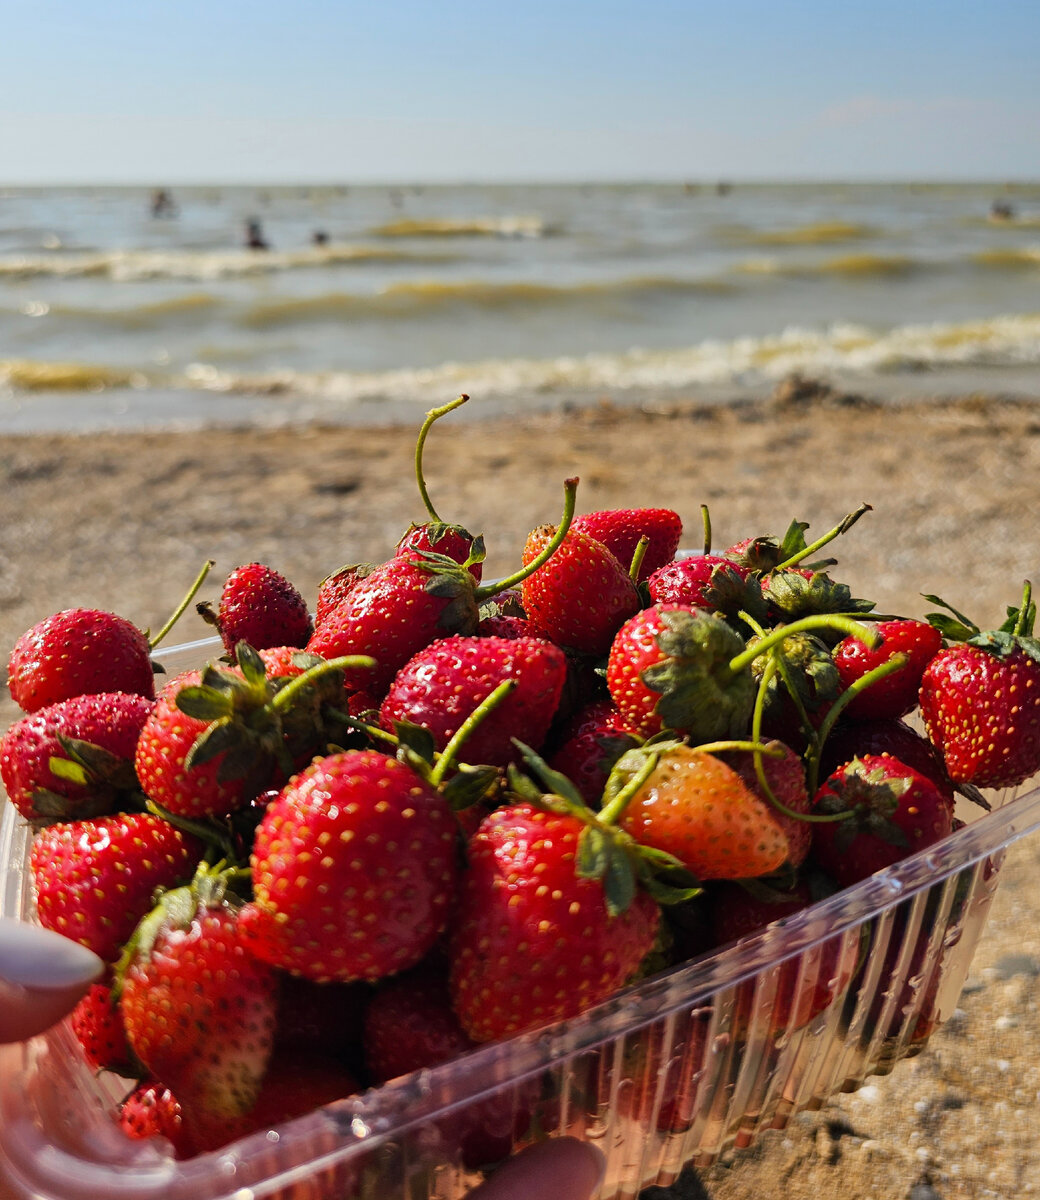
(1010, 257)
(447, 227)
(858, 266)
(999, 341)
(135, 265)
(819, 233)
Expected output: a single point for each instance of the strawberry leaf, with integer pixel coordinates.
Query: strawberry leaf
(251, 664)
(470, 785)
(71, 772)
(593, 857)
(204, 703)
(619, 882)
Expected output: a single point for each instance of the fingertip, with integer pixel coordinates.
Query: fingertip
(562, 1168)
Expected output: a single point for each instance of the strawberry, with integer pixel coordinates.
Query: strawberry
(533, 941)
(706, 581)
(77, 651)
(669, 668)
(98, 1025)
(258, 605)
(620, 530)
(588, 755)
(452, 541)
(893, 810)
(442, 685)
(581, 596)
(353, 870)
(696, 808)
(334, 588)
(410, 1024)
(94, 879)
(980, 699)
(199, 1009)
(893, 695)
(74, 758)
(855, 739)
(152, 1110)
(785, 777)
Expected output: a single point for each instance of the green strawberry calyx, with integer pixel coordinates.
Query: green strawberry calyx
(1014, 634)
(866, 797)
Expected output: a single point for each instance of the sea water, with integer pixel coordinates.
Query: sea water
(371, 301)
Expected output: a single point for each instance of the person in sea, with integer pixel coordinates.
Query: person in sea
(43, 976)
(162, 204)
(255, 239)
(319, 238)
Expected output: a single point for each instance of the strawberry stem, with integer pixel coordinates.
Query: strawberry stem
(869, 637)
(433, 415)
(570, 489)
(1026, 614)
(179, 610)
(490, 702)
(614, 810)
(298, 682)
(842, 527)
(706, 522)
(638, 554)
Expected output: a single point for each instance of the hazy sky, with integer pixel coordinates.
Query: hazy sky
(329, 90)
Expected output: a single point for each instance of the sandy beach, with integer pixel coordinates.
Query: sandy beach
(125, 520)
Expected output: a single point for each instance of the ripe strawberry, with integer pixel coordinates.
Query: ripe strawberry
(588, 756)
(895, 812)
(199, 1009)
(454, 542)
(533, 941)
(74, 758)
(980, 701)
(77, 651)
(893, 695)
(95, 879)
(442, 685)
(353, 870)
(259, 606)
(581, 596)
(669, 669)
(786, 779)
(855, 739)
(696, 808)
(620, 530)
(410, 1024)
(98, 1025)
(334, 588)
(706, 581)
(151, 1110)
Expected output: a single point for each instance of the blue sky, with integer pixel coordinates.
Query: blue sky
(320, 90)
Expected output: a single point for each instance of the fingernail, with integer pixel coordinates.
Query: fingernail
(39, 959)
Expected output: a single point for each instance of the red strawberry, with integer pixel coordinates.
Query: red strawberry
(893, 695)
(454, 542)
(620, 530)
(706, 581)
(980, 700)
(334, 588)
(859, 738)
(98, 1025)
(786, 779)
(353, 870)
(259, 606)
(669, 669)
(199, 1009)
(77, 651)
(441, 686)
(895, 811)
(95, 879)
(533, 941)
(588, 756)
(94, 737)
(581, 596)
(151, 1110)
(410, 1024)
(696, 808)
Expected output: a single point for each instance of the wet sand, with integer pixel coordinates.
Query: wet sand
(124, 521)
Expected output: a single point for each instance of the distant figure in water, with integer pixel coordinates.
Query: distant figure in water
(1000, 210)
(320, 238)
(255, 239)
(162, 204)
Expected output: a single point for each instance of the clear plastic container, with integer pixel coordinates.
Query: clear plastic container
(669, 1072)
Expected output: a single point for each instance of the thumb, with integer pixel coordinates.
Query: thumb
(559, 1169)
(42, 977)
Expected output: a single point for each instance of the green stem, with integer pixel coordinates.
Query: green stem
(178, 611)
(842, 527)
(614, 810)
(638, 554)
(706, 522)
(295, 685)
(458, 738)
(869, 637)
(373, 731)
(433, 415)
(570, 489)
(1026, 614)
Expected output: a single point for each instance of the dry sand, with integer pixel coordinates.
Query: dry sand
(124, 521)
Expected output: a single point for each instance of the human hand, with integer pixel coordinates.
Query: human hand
(42, 977)
(559, 1169)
